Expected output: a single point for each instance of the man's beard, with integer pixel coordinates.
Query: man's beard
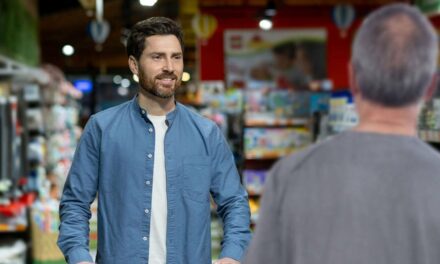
(150, 86)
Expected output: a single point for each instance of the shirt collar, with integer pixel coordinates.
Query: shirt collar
(171, 116)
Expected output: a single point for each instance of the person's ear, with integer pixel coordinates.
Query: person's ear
(431, 88)
(354, 88)
(133, 65)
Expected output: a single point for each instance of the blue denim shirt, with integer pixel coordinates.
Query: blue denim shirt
(114, 159)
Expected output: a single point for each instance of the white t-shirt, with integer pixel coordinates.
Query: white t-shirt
(158, 224)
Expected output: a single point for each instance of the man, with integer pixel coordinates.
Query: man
(153, 164)
(369, 195)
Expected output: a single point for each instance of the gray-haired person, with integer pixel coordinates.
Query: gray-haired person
(371, 194)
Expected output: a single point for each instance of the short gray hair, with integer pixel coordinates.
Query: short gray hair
(395, 55)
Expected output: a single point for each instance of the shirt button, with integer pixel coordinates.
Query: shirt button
(150, 130)
(150, 156)
(147, 182)
(147, 211)
(143, 112)
(145, 238)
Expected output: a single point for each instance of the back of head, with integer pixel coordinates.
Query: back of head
(395, 55)
(151, 27)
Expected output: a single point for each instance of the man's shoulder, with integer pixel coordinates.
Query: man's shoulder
(311, 155)
(196, 118)
(109, 114)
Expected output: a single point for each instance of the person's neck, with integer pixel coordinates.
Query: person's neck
(387, 120)
(155, 105)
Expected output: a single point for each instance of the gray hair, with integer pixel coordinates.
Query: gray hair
(395, 55)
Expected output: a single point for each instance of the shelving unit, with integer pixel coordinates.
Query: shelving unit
(35, 105)
(429, 121)
(16, 192)
(276, 123)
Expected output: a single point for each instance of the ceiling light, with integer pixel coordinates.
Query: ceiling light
(117, 79)
(68, 50)
(123, 91)
(125, 83)
(265, 24)
(186, 77)
(147, 2)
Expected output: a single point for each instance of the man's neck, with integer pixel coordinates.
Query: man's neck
(155, 105)
(387, 120)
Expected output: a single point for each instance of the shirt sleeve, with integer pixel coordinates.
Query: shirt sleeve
(231, 199)
(266, 244)
(79, 192)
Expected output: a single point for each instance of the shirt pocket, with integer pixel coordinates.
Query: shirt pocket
(196, 178)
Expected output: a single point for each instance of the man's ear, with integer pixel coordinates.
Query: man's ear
(431, 88)
(133, 65)
(354, 88)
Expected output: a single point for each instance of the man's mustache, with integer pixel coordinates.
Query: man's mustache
(166, 75)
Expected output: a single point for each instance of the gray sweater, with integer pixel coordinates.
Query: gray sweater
(356, 198)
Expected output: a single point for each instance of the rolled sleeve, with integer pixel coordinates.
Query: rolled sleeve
(78, 255)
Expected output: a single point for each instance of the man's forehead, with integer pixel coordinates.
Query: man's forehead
(163, 43)
(161, 38)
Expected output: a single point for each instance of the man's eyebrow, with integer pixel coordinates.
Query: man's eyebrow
(163, 53)
(156, 53)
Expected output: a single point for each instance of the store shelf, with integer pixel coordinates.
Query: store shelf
(13, 217)
(266, 156)
(9, 67)
(430, 135)
(12, 228)
(269, 155)
(16, 207)
(252, 120)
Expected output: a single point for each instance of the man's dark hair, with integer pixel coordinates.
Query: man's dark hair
(151, 27)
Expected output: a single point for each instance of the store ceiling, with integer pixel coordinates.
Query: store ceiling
(66, 22)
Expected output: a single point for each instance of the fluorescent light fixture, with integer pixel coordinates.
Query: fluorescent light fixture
(265, 24)
(147, 2)
(68, 50)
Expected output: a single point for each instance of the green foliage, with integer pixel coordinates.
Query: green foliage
(18, 33)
